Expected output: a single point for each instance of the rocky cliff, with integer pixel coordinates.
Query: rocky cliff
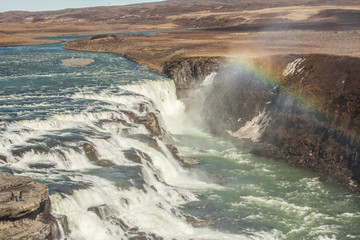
(188, 72)
(27, 217)
(306, 109)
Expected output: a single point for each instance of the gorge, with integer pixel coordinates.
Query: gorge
(311, 103)
(181, 120)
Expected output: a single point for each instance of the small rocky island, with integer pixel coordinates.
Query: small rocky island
(76, 62)
(28, 217)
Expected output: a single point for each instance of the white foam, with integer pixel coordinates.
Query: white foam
(278, 203)
(148, 211)
(163, 94)
(209, 79)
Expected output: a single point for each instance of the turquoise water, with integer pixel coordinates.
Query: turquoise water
(264, 195)
(49, 113)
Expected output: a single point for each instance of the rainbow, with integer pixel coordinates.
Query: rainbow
(287, 77)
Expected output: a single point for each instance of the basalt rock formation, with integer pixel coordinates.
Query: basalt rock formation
(311, 107)
(27, 217)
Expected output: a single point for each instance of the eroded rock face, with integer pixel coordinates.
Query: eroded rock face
(29, 217)
(316, 118)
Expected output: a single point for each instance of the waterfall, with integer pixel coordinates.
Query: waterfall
(105, 169)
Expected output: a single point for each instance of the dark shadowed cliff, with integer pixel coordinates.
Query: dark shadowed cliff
(307, 108)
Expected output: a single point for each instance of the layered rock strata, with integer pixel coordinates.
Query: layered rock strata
(27, 217)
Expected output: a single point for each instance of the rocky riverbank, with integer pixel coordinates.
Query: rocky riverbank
(28, 217)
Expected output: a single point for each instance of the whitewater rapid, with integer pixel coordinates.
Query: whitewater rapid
(149, 205)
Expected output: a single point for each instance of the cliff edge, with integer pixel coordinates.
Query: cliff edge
(27, 217)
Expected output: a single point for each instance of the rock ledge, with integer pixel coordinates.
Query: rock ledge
(30, 217)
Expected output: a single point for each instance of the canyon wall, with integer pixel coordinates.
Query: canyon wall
(307, 108)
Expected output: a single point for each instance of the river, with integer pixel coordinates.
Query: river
(69, 128)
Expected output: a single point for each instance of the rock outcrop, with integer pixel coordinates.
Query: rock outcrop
(188, 72)
(149, 120)
(27, 217)
(184, 161)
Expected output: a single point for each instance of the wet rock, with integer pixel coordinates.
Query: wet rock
(28, 218)
(42, 165)
(234, 98)
(60, 226)
(37, 149)
(104, 163)
(150, 141)
(145, 236)
(103, 122)
(120, 223)
(91, 152)
(136, 155)
(149, 120)
(102, 211)
(143, 108)
(186, 162)
(132, 155)
(3, 158)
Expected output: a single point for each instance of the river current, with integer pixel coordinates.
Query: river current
(69, 128)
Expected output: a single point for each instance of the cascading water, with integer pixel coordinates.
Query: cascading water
(96, 136)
